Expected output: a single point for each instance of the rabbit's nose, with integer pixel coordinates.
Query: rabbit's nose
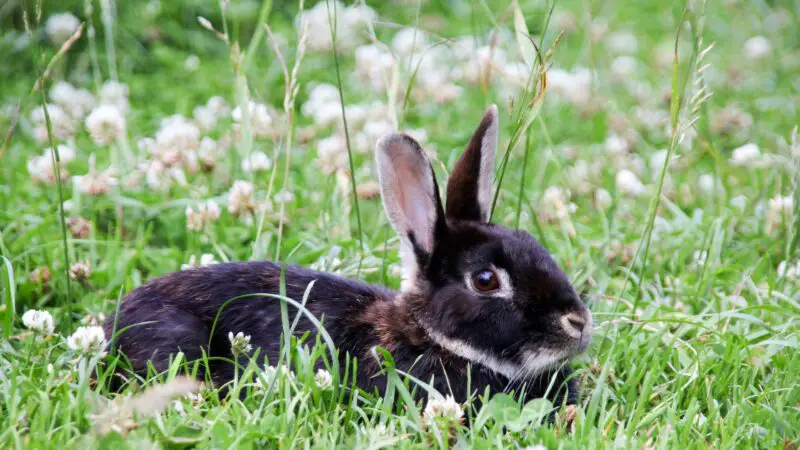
(573, 324)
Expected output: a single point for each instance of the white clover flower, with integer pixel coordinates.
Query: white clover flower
(80, 270)
(732, 121)
(41, 168)
(331, 154)
(323, 105)
(419, 134)
(115, 93)
(574, 87)
(602, 199)
(779, 209)
(374, 129)
(534, 447)
(437, 68)
(89, 341)
(40, 275)
(94, 182)
(66, 154)
(651, 119)
(556, 201)
(261, 121)
(156, 175)
(93, 319)
(757, 47)
(615, 145)
(76, 102)
(578, 177)
(358, 17)
(328, 113)
(445, 93)
(60, 27)
(270, 372)
(628, 183)
(194, 220)
(241, 198)
(323, 93)
(79, 227)
(350, 25)
(256, 162)
(446, 408)
(746, 155)
(739, 202)
(381, 434)
(517, 75)
(368, 190)
(62, 124)
(204, 117)
(482, 62)
(211, 210)
(206, 259)
(564, 20)
(624, 67)
(657, 161)
(106, 124)
(192, 63)
(409, 40)
(207, 153)
(39, 321)
(374, 64)
(206, 213)
(240, 343)
(356, 115)
(598, 29)
(176, 136)
(622, 42)
(219, 106)
(706, 183)
(323, 379)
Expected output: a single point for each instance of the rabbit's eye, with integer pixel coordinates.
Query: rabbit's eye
(485, 281)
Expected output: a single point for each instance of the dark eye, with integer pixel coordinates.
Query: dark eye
(485, 281)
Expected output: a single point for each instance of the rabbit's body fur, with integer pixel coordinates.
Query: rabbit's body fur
(177, 312)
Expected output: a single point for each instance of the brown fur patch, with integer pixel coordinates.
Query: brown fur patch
(394, 326)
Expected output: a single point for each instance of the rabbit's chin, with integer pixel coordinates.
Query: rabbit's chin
(538, 361)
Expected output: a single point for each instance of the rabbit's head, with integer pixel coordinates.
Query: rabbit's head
(482, 291)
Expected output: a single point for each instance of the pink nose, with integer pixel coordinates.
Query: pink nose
(576, 321)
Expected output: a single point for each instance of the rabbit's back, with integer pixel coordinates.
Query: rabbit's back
(177, 312)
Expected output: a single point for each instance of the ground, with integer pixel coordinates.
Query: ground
(683, 244)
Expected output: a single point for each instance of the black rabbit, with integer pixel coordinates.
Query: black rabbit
(475, 296)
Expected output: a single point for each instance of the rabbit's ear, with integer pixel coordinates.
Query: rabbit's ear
(469, 190)
(411, 198)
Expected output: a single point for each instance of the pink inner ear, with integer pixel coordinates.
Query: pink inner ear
(414, 195)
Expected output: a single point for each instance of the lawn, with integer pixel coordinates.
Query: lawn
(660, 167)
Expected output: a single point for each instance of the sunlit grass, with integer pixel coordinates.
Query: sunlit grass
(697, 332)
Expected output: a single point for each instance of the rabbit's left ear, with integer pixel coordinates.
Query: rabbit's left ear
(469, 189)
(411, 199)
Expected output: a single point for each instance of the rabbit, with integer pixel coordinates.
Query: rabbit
(480, 305)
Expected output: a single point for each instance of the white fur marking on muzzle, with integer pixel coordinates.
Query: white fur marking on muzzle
(477, 356)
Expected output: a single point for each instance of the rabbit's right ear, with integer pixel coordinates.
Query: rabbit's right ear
(411, 199)
(469, 190)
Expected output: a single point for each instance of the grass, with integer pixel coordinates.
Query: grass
(691, 352)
